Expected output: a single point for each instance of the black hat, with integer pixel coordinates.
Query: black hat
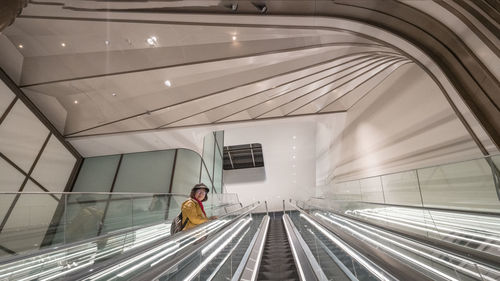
(201, 186)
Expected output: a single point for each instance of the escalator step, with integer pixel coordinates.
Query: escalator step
(277, 261)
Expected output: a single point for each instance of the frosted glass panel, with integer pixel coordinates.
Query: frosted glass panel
(218, 173)
(119, 213)
(6, 97)
(145, 172)
(187, 171)
(96, 174)
(371, 190)
(219, 137)
(402, 188)
(5, 202)
(10, 178)
(33, 212)
(84, 215)
(22, 136)
(465, 185)
(54, 167)
(205, 178)
(208, 152)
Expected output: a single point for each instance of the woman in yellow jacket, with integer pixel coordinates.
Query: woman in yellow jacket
(192, 209)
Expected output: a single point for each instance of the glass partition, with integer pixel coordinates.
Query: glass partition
(80, 216)
(472, 185)
(187, 170)
(475, 232)
(211, 248)
(164, 171)
(97, 174)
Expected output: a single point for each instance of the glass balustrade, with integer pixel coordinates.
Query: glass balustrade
(79, 216)
(127, 253)
(472, 185)
(473, 231)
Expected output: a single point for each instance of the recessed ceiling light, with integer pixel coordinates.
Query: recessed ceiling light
(106, 42)
(168, 83)
(152, 41)
(20, 46)
(293, 157)
(294, 137)
(75, 102)
(113, 94)
(234, 38)
(63, 44)
(294, 147)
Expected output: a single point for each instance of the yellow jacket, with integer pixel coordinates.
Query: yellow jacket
(192, 210)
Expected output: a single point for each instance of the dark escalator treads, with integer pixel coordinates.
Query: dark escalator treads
(277, 261)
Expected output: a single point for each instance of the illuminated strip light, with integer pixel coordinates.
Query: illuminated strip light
(447, 215)
(441, 219)
(211, 256)
(349, 251)
(41, 274)
(261, 249)
(46, 263)
(37, 261)
(434, 231)
(62, 255)
(65, 272)
(210, 228)
(134, 259)
(388, 249)
(459, 230)
(454, 215)
(475, 230)
(436, 259)
(160, 260)
(227, 256)
(301, 271)
(212, 244)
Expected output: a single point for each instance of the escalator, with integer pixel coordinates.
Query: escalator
(277, 259)
(248, 244)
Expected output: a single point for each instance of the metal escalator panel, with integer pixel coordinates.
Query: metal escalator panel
(337, 259)
(277, 259)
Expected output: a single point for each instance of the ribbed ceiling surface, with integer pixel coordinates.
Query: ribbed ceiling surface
(93, 74)
(108, 78)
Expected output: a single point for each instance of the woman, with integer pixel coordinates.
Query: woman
(192, 209)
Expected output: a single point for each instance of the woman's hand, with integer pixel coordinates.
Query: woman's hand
(213, 218)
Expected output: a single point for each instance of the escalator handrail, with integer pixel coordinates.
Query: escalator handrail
(361, 254)
(64, 246)
(307, 267)
(155, 271)
(476, 256)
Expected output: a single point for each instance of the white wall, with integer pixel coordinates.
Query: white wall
(404, 123)
(285, 177)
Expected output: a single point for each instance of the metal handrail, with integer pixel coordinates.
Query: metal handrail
(388, 276)
(303, 261)
(474, 256)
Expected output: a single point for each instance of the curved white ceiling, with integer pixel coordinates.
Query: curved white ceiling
(222, 68)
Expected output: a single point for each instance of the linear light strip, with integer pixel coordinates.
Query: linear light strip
(348, 250)
(212, 255)
(389, 249)
(412, 249)
(295, 255)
